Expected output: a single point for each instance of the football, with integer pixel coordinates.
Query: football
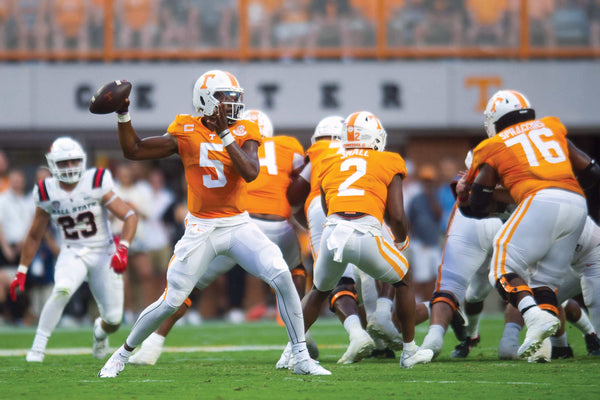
(110, 97)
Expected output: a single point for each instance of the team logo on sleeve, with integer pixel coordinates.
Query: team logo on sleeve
(239, 130)
(56, 205)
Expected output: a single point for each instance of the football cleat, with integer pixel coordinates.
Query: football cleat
(309, 366)
(286, 361)
(380, 326)
(463, 349)
(411, 358)
(100, 346)
(540, 325)
(113, 366)
(561, 353)
(592, 342)
(360, 346)
(544, 353)
(34, 356)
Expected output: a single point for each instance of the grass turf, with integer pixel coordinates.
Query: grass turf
(244, 368)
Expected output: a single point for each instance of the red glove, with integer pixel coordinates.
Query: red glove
(118, 261)
(18, 281)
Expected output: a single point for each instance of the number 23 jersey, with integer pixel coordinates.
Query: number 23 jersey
(528, 157)
(79, 214)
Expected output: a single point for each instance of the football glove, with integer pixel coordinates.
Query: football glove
(118, 261)
(18, 281)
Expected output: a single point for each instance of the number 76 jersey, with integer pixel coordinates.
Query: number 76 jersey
(528, 157)
(79, 214)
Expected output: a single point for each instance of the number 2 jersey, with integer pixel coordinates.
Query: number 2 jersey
(528, 157)
(215, 189)
(358, 179)
(79, 214)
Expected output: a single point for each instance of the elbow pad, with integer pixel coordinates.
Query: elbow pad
(589, 176)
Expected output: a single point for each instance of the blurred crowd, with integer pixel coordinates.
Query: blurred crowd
(292, 25)
(159, 199)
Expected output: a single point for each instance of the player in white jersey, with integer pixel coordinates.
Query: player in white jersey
(78, 201)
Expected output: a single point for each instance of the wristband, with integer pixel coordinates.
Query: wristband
(125, 117)
(22, 269)
(124, 243)
(227, 137)
(305, 173)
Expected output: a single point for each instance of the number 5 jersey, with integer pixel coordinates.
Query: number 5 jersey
(79, 214)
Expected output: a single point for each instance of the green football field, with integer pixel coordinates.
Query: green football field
(218, 360)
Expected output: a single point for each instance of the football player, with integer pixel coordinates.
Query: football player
(463, 273)
(78, 201)
(360, 188)
(535, 162)
(305, 190)
(219, 152)
(280, 158)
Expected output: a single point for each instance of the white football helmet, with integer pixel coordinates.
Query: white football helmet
(212, 82)
(500, 104)
(64, 148)
(329, 127)
(364, 130)
(262, 120)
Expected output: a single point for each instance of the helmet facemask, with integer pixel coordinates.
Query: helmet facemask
(64, 149)
(216, 87)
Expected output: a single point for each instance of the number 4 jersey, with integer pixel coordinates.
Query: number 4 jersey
(80, 215)
(528, 157)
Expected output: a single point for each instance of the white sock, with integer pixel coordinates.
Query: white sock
(434, 335)
(473, 327)
(156, 339)
(584, 324)
(300, 351)
(352, 325)
(384, 305)
(123, 353)
(99, 333)
(525, 303)
(410, 347)
(512, 330)
(560, 341)
(39, 342)
(51, 313)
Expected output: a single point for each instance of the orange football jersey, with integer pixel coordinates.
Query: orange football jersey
(279, 156)
(315, 154)
(215, 189)
(528, 157)
(357, 180)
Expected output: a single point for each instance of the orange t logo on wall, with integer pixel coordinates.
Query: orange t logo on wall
(211, 76)
(483, 83)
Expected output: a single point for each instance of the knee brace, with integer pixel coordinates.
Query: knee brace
(444, 298)
(508, 292)
(345, 287)
(546, 300)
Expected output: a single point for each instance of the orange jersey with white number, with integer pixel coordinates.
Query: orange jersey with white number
(358, 180)
(528, 157)
(215, 189)
(279, 156)
(315, 154)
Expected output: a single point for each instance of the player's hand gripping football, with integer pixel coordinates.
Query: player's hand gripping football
(118, 261)
(19, 282)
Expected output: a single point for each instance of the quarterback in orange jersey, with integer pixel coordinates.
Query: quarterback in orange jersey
(219, 154)
(360, 188)
(533, 159)
(280, 157)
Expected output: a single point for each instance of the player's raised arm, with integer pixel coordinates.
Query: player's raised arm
(135, 148)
